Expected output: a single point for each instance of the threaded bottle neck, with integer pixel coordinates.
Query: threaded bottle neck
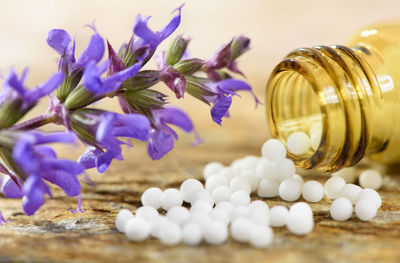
(332, 94)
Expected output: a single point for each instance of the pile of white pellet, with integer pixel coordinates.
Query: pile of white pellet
(223, 207)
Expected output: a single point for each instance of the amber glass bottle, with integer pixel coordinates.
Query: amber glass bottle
(347, 98)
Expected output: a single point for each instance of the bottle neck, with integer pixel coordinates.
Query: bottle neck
(331, 94)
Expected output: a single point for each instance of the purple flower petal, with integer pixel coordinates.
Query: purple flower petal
(116, 64)
(131, 125)
(68, 182)
(10, 189)
(159, 144)
(44, 89)
(59, 40)
(34, 191)
(233, 85)
(220, 108)
(88, 158)
(176, 117)
(221, 58)
(94, 51)
(104, 160)
(175, 80)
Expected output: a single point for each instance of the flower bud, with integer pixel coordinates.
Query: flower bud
(197, 87)
(146, 98)
(176, 50)
(189, 66)
(239, 45)
(142, 80)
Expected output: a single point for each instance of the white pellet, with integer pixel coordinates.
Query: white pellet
(312, 191)
(371, 195)
(228, 173)
(290, 189)
(259, 217)
(351, 192)
(285, 169)
(268, 188)
(251, 178)
(221, 193)
(157, 224)
(170, 234)
(341, 209)
(214, 181)
(259, 205)
(200, 218)
(240, 197)
(152, 197)
(370, 179)
(211, 169)
(241, 229)
(261, 236)
(227, 206)
(298, 143)
(123, 216)
(249, 163)
(137, 229)
(220, 215)
(189, 187)
(239, 211)
(266, 169)
(239, 183)
(202, 206)
(216, 233)
(171, 198)
(192, 234)
(203, 194)
(349, 174)
(333, 187)
(299, 178)
(365, 209)
(273, 150)
(178, 214)
(147, 213)
(277, 216)
(315, 136)
(300, 221)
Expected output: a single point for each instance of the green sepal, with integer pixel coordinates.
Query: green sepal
(142, 80)
(176, 50)
(189, 66)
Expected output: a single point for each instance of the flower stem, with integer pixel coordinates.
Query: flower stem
(35, 122)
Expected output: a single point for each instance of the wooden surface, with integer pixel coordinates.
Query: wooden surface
(276, 27)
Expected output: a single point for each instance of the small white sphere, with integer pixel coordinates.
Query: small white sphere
(312, 191)
(341, 209)
(298, 143)
(249, 163)
(202, 194)
(189, 187)
(285, 169)
(371, 179)
(147, 213)
(202, 206)
(266, 169)
(200, 218)
(241, 229)
(333, 187)
(277, 216)
(221, 193)
(365, 209)
(290, 189)
(157, 224)
(371, 195)
(349, 174)
(261, 236)
(268, 188)
(211, 169)
(351, 192)
(192, 234)
(299, 178)
(152, 197)
(315, 136)
(236, 165)
(259, 217)
(226, 206)
(178, 214)
(137, 229)
(170, 234)
(228, 173)
(220, 215)
(273, 150)
(123, 216)
(171, 198)
(299, 221)
(216, 233)
(214, 181)
(240, 198)
(239, 183)
(251, 178)
(239, 211)
(259, 205)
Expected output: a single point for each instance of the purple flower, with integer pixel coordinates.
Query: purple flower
(95, 84)
(38, 163)
(60, 41)
(175, 80)
(104, 130)
(14, 88)
(162, 137)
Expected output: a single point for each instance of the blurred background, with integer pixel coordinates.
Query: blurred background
(275, 28)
